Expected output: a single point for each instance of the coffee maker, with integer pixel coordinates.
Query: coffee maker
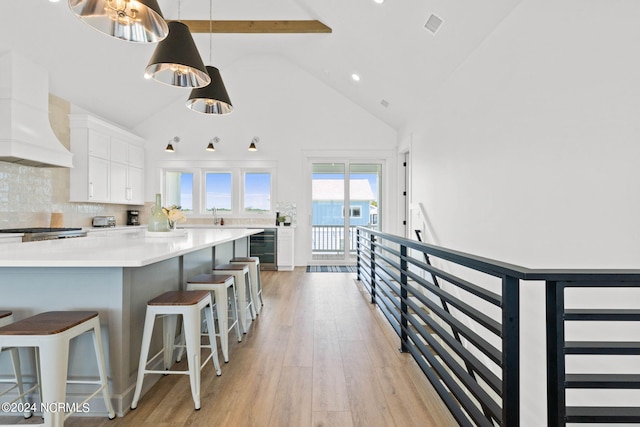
(133, 217)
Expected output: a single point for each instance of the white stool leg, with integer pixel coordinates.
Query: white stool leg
(17, 372)
(255, 287)
(55, 353)
(191, 323)
(251, 299)
(149, 321)
(234, 311)
(211, 329)
(169, 323)
(223, 321)
(102, 369)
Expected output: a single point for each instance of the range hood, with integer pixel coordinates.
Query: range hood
(26, 136)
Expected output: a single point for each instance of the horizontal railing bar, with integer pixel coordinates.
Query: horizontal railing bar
(500, 269)
(486, 321)
(480, 368)
(462, 397)
(462, 375)
(454, 407)
(474, 338)
(474, 289)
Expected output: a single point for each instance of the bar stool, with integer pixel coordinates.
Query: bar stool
(256, 281)
(243, 288)
(220, 284)
(189, 304)
(6, 317)
(51, 333)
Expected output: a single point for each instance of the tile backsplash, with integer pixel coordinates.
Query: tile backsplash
(29, 195)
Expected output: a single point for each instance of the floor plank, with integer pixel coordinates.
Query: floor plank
(319, 354)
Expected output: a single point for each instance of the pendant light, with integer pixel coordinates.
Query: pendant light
(252, 146)
(170, 148)
(210, 147)
(212, 98)
(138, 21)
(176, 61)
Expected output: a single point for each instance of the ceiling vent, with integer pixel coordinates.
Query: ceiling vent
(433, 23)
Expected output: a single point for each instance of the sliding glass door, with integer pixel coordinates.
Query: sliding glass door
(334, 216)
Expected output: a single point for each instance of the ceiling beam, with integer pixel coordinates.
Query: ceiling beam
(257, 27)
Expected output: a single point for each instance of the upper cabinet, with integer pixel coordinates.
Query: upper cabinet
(108, 163)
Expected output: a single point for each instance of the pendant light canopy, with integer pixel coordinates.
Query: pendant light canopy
(138, 21)
(213, 98)
(176, 60)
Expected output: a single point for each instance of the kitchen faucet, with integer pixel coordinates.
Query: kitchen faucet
(215, 216)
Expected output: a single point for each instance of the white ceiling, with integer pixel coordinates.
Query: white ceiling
(397, 58)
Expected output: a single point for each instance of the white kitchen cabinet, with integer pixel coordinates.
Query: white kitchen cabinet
(12, 239)
(108, 163)
(285, 248)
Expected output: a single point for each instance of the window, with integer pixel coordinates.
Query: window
(233, 190)
(257, 192)
(179, 190)
(219, 190)
(354, 212)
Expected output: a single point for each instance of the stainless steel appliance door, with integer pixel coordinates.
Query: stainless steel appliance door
(263, 245)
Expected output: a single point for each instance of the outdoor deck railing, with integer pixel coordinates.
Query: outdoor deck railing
(470, 352)
(330, 238)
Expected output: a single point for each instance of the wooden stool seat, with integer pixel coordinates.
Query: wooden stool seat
(179, 298)
(212, 279)
(246, 259)
(49, 323)
(4, 314)
(237, 267)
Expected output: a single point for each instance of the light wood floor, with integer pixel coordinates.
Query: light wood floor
(318, 355)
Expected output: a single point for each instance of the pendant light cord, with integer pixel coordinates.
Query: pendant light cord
(210, 31)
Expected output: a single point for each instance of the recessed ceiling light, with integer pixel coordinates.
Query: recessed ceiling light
(379, 1)
(355, 77)
(54, 1)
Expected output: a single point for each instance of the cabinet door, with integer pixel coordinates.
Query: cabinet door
(135, 187)
(136, 156)
(99, 144)
(285, 249)
(119, 183)
(119, 150)
(98, 179)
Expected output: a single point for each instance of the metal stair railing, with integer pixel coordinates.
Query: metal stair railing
(465, 335)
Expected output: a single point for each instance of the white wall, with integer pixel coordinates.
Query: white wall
(289, 111)
(530, 154)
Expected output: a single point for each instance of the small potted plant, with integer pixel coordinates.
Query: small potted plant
(280, 220)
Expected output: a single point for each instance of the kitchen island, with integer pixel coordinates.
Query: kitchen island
(115, 275)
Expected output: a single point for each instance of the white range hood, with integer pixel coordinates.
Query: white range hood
(26, 136)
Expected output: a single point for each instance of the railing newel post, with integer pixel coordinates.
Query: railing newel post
(373, 267)
(510, 351)
(556, 399)
(404, 294)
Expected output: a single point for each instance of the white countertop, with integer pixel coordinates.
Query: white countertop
(133, 249)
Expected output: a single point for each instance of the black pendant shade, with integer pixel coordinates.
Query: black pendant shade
(213, 98)
(176, 60)
(138, 21)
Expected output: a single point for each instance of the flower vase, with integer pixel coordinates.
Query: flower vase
(158, 219)
(173, 225)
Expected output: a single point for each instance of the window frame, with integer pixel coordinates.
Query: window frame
(237, 189)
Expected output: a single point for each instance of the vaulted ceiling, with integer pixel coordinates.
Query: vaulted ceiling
(400, 62)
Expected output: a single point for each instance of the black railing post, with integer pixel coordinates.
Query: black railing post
(510, 351)
(358, 254)
(554, 305)
(372, 269)
(404, 311)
